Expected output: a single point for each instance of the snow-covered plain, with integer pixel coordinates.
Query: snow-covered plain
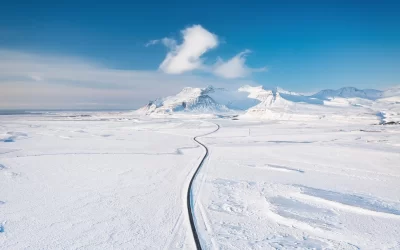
(296, 185)
(95, 181)
(119, 181)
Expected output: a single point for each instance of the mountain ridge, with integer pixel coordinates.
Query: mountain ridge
(277, 103)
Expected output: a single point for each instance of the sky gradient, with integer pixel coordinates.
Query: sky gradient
(120, 55)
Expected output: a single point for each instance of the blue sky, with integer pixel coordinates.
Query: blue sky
(305, 45)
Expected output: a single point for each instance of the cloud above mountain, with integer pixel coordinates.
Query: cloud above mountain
(235, 67)
(187, 56)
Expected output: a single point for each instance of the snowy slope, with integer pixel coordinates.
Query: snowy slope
(391, 95)
(288, 106)
(349, 92)
(196, 100)
(385, 104)
(369, 105)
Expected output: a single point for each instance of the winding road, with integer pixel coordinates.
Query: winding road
(190, 203)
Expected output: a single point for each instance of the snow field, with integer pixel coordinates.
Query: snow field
(115, 180)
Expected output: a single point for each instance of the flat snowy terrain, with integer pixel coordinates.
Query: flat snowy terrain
(120, 181)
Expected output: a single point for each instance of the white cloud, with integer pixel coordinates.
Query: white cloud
(167, 42)
(187, 56)
(235, 67)
(151, 42)
(43, 81)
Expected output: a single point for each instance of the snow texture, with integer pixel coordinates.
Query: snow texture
(118, 180)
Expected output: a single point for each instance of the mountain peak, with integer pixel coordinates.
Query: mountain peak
(188, 99)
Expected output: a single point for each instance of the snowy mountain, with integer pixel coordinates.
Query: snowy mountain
(349, 92)
(284, 91)
(197, 100)
(267, 98)
(277, 97)
(340, 105)
(260, 103)
(275, 105)
(208, 100)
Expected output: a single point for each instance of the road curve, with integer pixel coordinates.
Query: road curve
(189, 191)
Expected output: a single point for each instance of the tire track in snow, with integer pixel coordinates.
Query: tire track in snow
(190, 205)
